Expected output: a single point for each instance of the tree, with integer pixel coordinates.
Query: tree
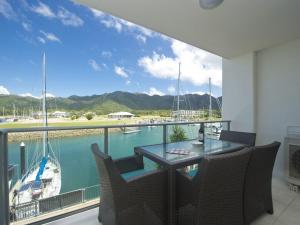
(89, 116)
(74, 115)
(178, 134)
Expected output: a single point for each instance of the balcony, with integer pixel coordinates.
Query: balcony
(286, 210)
(260, 43)
(79, 185)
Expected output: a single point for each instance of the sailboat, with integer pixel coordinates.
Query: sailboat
(130, 130)
(43, 179)
(11, 173)
(213, 129)
(181, 110)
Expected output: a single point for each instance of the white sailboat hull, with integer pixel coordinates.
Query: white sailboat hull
(131, 131)
(51, 184)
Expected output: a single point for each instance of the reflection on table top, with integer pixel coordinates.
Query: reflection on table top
(196, 150)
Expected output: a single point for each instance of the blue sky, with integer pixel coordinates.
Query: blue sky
(89, 52)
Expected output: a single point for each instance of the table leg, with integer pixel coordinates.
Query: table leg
(172, 218)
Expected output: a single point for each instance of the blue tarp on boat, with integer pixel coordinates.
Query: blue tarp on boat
(25, 187)
(36, 185)
(41, 169)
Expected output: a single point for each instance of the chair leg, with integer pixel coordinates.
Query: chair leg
(99, 218)
(270, 211)
(269, 205)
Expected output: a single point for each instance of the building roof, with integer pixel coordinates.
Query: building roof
(236, 27)
(121, 114)
(58, 112)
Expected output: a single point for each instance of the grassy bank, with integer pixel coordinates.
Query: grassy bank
(97, 121)
(58, 124)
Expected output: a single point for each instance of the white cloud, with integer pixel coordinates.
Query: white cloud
(94, 65)
(40, 39)
(28, 95)
(26, 26)
(153, 91)
(49, 95)
(120, 25)
(97, 13)
(141, 38)
(69, 19)
(43, 10)
(198, 93)
(65, 16)
(112, 24)
(6, 10)
(106, 54)
(4, 91)
(121, 71)
(196, 65)
(171, 89)
(128, 82)
(50, 37)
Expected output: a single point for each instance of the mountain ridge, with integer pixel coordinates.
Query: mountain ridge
(108, 102)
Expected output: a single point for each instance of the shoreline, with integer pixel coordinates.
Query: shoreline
(25, 136)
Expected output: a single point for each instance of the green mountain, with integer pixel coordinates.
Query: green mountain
(106, 103)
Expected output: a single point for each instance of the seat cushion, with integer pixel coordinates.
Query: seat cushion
(134, 173)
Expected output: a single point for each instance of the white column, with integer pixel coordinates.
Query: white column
(239, 92)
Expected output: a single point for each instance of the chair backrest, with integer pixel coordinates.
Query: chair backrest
(110, 179)
(258, 181)
(239, 137)
(220, 186)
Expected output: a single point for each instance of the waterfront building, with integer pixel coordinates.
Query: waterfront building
(120, 115)
(59, 114)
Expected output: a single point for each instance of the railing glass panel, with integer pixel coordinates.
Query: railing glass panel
(67, 176)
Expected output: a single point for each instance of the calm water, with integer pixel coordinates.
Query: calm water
(77, 163)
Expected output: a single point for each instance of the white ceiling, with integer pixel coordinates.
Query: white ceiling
(236, 27)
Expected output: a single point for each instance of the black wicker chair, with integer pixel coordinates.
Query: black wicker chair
(258, 182)
(239, 137)
(214, 196)
(140, 200)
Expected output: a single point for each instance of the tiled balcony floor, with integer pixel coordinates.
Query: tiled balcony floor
(286, 210)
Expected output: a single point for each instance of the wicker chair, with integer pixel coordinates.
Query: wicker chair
(214, 196)
(239, 137)
(140, 200)
(258, 182)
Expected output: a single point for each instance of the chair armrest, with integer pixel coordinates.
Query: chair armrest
(184, 189)
(128, 164)
(151, 176)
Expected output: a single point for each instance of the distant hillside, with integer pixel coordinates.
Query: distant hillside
(105, 103)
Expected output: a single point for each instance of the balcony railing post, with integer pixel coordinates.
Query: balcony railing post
(165, 133)
(83, 195)
(106, 140)
(228, 125)
(4, 190)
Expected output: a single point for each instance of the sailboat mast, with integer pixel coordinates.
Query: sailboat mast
(14, 106)
(178, 92)
(45, 117)
(210, 109)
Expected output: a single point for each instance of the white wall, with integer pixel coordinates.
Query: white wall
(278, 96)
(239, 92)
(275, 92)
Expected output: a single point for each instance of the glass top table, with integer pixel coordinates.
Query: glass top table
(159, 154)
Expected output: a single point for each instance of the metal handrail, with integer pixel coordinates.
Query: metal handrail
(58, 128)
(4, 190)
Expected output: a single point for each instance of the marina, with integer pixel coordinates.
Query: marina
(75, 158)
